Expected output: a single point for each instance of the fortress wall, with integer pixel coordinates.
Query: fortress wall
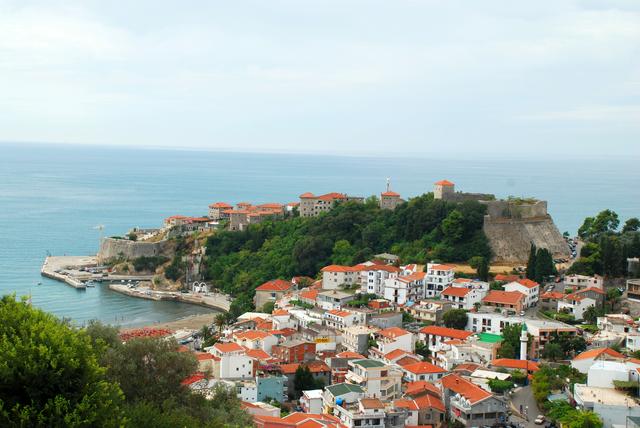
(506, 209)
(510, 239)
(110, 248)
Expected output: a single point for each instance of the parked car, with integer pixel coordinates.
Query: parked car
(539, 420)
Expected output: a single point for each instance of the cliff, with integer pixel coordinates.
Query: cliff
(511, 227)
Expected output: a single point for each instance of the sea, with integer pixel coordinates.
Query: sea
(52, 198)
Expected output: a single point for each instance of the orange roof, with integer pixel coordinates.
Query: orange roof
(338, 268)
(416, 276)
(307, 195)
(332, 196)
(220, 205)
(204, 356)
(314, 367)
(193, 378)
(443, 267)
(275, 285)
(350, 355)
(461, 386)
(527, 283)
(395, 354)
(228, 347)
(251, 335)
(407, 360)
(597, 352)
(278, 312)
(455, 291)
(509, 278)
(257, 354)
(420, 386)
(420, 403)
(387, 268)
(586, 290)
(470, 367)
(511, 363)
(423, 368)
(264, 325)
(444, 183)
(445, 332)
(390, 193)
(309, 294)
(339, 313)
(552, 295)
(393, 332)
(503, 297)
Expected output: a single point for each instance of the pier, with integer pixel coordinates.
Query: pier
(67, 269)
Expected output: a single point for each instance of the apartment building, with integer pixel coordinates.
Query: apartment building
(530, 289)
(438, 277)
(404, 289)
(462, 298)
(374, 277)
(312, 205)
(376, 378)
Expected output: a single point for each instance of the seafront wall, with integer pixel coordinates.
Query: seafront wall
(215, 301)
(111, 248)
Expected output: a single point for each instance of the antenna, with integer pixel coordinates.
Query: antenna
(388, 183)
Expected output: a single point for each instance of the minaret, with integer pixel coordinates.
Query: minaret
(524, 338)
(388, 184)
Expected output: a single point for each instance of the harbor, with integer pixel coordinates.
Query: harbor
(81, 272)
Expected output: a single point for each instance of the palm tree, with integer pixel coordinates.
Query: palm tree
(220, 322)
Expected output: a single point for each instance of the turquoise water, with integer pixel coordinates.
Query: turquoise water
(51, 197)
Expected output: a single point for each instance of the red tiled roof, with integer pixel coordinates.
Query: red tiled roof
(390, 193)
(555, 295)
(416, 276)
(228, 347)
(257, 354)
(278, 312)
(469, 367)
(527, 283)
(220, 205)
(443, 267)
(455, 291)
(445, 332)
(350, 355)
(204, 356)
(507, 278)
(332, 196)
(339, 313)
(503, 297)
(420, 403)
(275, 285)
(423, 368)
(193, 379)
(338, 268)
(420, 386)
(461, 386)
(393, 332)
(314, 367)
(595, 353)
(407, 360)
(511, 363)
(309, 294)
(444, 183)
(594, 289)
(251, 335)
(387, 268)
(307, 195)
(395, 354)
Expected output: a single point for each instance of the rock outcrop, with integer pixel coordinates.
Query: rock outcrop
(112, 248)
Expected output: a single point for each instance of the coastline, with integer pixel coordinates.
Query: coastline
(191, 322)
(216, 301)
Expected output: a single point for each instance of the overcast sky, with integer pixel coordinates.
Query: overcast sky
(421, 77)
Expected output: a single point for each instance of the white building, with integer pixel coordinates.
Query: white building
(575, 304)
(311, 401)
(334, 299)
(373, 278)
(436, 336)
(390, 339)
(334, 276)
(233, 361)
(582, 281)
(438, 278)
(404, 289)
(340, 319)
(461, 297)
(376, 378)
(530, 289)
(583, 362)
(422, 371)
(256, 339)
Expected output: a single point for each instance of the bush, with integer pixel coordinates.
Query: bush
(500, 386)
(148, 264)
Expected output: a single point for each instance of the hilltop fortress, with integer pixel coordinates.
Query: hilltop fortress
(511, 225)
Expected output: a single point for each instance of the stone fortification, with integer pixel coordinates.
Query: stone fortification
(112, 248)
(511, 227)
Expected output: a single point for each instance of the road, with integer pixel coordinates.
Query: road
(522, 398)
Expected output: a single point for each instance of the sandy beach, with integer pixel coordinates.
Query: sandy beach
(193, 322)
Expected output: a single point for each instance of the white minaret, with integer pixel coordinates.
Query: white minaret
(524, 338)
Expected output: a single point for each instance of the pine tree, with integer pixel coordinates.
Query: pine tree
(483, 270)
(531, 264)
(544, 265)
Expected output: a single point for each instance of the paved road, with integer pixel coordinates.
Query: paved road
(523, 398)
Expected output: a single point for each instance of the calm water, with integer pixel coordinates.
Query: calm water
(51, 197)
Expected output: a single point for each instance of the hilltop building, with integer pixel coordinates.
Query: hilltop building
(389, 199)
(312, 205)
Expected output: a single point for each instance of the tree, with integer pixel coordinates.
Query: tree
(483, 270)
(343, 253)
(544, 265)
(49, 373)
(422, 349)
(612, 298)
(268, 307)
(531, 263)
(591, 314)
(582, 419)
(150, 369)
(631, 225)
(303, 380)
(220, 321)
(553, 352)
(500, 386)
(507, 350)
(453, 226)
(474, 262)
(510, 346)
(455, 318)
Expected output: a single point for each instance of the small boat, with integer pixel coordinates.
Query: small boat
(39, 283)
(90, 284)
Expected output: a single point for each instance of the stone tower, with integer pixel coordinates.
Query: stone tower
(524, 338)
(389, 199)
(443, 189)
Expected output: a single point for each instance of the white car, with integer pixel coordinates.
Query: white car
(539, 420)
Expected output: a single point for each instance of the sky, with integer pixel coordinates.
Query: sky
(555, 78)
